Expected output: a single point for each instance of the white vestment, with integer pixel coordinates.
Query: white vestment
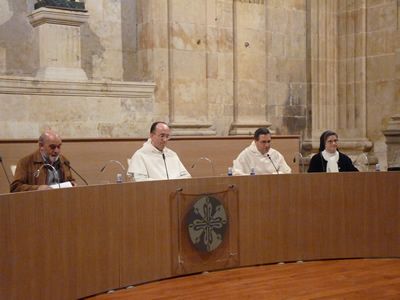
(250, 158)
(148, 163)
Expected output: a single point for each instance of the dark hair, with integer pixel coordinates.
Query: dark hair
(261, 131)
(324, 137)
(154, 125)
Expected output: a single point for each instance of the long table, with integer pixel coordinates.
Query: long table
(89, 156)
(72, 243)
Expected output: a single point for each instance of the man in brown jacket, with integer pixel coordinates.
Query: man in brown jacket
(44, 167)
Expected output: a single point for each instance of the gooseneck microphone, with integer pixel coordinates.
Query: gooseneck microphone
(119, 177)
(53, 170)
(67, 163)
(300, 160)
(4, 169)
(277, 172)
(206, 159)
(165, 164)
(112, 161)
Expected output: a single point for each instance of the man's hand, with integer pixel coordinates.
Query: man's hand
(43, 187)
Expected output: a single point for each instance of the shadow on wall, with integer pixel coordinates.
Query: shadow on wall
(295, 118)
(18, 54)
(92, 50)
(128, 27)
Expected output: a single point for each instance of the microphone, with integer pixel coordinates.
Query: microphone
(277, 172)
(361, 162)
(165, 164)
(300, 160)
(53, 170)
(118, 163)
(4, 169)
(114, 161)
(67, 163)
(206, 159)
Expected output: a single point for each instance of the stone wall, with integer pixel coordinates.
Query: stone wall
(286, 48)
(109, 104)
(383, 85)
(74, 109)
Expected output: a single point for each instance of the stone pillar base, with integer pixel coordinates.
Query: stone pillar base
(60, 73)
(247, 128)
(392, 134)
(57, 32)
(347, 145)
(187, 129)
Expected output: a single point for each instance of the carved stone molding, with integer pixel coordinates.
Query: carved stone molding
(56, 16)
(113, 89)
(252, 1)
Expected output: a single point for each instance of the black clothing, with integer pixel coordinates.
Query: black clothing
(318, 163)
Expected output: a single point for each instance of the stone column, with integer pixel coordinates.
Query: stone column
(392, 134)
(153, 52)
(57, 32)
(286, 68)
(323, 67)
(338, 72)
(172, 51)
(250, 75)
(352, 75)
(188, 61)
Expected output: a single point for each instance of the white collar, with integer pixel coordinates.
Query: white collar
(332, 159)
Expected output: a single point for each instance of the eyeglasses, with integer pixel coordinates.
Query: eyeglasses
(163, 136)
(54, 146)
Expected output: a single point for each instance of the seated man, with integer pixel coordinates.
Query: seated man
(260, 158)
(154, 160)
(44, 167)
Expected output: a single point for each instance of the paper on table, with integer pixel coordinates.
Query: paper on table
(65, 184)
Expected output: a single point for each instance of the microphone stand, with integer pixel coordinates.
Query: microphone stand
(165, 164)
(114, 161)
(277, 172)
(4, 169)
(206, 159)
(300, 160)
(67, 163)
(53, 170)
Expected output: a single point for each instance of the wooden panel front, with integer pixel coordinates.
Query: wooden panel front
(59, 244)
(72, 243)
(318, 216)
(146, 235)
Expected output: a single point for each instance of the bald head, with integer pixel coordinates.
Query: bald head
(50, 145)
(159, 135)
(48, 135)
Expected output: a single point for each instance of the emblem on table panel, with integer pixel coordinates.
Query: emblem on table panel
(207, 223)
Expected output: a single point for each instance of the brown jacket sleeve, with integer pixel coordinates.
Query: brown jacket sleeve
(24, 179)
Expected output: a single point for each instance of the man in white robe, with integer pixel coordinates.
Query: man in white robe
(260, 158)
(154, 161)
